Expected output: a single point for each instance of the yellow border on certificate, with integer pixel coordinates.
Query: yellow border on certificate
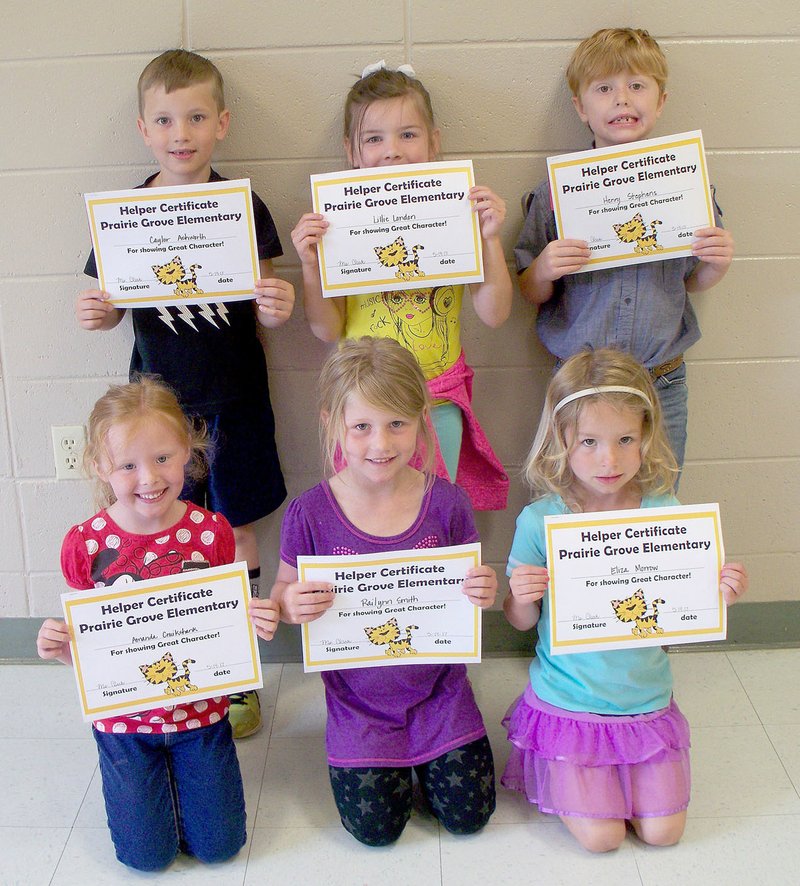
(613, 155)
(392, 281)
(388, 561)
(645, 518)
(196, 578)
(121, 300)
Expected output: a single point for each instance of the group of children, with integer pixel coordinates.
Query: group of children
(596, 737)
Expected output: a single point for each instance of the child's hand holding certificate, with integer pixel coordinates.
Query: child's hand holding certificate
(633, 203)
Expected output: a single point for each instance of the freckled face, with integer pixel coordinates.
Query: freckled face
(144, 465)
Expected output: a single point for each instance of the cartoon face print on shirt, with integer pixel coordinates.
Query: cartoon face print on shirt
(131, 563)
(119, 559)
(422, 319)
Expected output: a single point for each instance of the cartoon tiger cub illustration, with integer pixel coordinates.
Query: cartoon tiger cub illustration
(634, 231)
(173, 273)
(395, 255)
(634, 609)
(166, 671)
(388, 635)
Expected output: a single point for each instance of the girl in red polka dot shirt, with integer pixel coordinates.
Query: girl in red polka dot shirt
(171, 780)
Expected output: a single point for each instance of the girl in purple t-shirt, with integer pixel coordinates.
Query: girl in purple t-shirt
(382, 722)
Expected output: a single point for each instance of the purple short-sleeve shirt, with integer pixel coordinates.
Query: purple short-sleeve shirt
(405, 714)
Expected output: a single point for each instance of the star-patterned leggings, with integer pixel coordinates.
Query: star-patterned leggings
(375, 803)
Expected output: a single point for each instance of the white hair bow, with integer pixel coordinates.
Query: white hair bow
(381, 66)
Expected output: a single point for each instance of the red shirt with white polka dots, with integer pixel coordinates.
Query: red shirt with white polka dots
(98, 553)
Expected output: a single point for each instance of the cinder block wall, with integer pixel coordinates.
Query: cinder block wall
(496, 77)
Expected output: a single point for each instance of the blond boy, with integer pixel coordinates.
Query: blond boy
(618, 81)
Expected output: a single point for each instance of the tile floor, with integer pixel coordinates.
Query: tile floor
(743, 828)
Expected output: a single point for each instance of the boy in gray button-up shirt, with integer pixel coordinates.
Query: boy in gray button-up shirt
(618, 82)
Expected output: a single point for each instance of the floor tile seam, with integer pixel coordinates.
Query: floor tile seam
(266, 758)
(744, 688)
(633, 843)
(72, 827)
(792, 782)
(726, 816)
(250, 840)
(553, 821)
(760, 726)
(60, 858)
(49, 738)
(38, 827)
(771, 724)
(749, 815)
(274, 707)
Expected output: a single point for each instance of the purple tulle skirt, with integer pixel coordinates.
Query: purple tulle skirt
(595, 766)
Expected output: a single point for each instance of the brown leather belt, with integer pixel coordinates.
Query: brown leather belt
(666, 368)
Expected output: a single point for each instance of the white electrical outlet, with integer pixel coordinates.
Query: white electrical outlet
(68, 444)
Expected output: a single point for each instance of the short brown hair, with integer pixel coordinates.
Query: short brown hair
(378, 86)
(613, 50)
(177, 69)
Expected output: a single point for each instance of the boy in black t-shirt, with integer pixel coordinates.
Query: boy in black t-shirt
(209, 354)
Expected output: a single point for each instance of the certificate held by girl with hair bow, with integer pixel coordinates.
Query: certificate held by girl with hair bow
(399, 227)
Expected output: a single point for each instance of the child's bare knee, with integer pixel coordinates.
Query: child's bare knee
(660, 831)
(604, 841)
(596, 834)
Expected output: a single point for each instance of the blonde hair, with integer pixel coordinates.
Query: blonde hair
(547, 467)
(378, 86)
(177, 69)
(613, 50)
(386, 375)
(128, 404)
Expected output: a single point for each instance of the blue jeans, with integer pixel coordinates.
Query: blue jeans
(674, 397)
(164, 794)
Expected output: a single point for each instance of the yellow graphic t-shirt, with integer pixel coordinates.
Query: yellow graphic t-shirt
(425, 321)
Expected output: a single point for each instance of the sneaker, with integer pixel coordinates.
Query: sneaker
(245, 713)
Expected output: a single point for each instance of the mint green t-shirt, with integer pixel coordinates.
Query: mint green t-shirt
(623, 681)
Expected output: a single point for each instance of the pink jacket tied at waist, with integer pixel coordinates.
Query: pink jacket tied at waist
(480, 472)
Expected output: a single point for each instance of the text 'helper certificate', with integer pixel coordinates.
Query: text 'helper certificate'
(398, 227)
(185, 245)
(158, 642)
(401, 607)
(633, 203)
(641, 577)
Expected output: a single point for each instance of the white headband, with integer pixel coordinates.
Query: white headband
(602, 389)
(381, 66)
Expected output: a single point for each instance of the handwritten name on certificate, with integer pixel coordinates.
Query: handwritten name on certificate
(633, 203)
(643, 577)
(165, 640)
(399, 227)
(186, 245)
(401, 607)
